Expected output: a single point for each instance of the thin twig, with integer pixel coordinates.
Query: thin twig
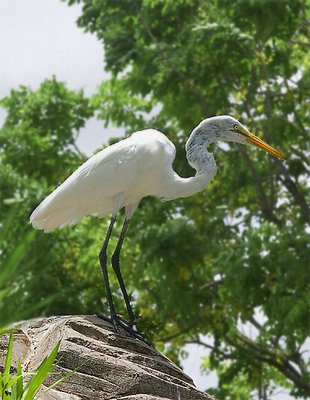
(187, 328)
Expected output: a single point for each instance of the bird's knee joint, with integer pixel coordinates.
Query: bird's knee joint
(115, 261)
(103, 256)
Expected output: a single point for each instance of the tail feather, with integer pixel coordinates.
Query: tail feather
(59, 210)
(53, 212)
(57, 218)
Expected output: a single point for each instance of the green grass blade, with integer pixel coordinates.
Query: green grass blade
(7, 225)
(20, 381)
(14, 392)
(1, 385)
(4, 292)
(15, 258)
(64, 378)
(43, 370)
(8, 360)
(12, 384)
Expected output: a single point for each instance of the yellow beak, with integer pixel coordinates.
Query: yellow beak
(256, 141)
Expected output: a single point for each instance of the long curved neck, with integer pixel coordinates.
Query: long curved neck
(201, 160)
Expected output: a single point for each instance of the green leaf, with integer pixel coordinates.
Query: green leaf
(20, 382)
(59, 381)
(1, 385)
(43, 370)
(15, 258)
(8, 360)
(12, 384)
(4, 292)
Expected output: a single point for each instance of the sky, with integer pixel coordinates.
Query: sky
(39, 39)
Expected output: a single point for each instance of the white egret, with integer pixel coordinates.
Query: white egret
(120, 175)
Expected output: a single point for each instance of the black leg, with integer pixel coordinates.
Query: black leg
(116, 267)
(103, 263)
(118, 322)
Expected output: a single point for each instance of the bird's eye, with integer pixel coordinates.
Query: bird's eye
(236, 127)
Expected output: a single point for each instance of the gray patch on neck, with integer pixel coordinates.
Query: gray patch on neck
(203, 135)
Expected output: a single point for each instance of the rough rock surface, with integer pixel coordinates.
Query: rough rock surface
(110, 366)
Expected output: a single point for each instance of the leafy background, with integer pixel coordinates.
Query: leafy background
(226, 269)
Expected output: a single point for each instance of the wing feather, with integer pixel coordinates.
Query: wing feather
(94, 187)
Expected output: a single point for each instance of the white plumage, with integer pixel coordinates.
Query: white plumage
(119, 175)
(139, 166)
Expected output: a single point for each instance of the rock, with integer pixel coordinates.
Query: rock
(110, 366)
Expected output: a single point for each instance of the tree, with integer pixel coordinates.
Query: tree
(234, 256)
(37, 150)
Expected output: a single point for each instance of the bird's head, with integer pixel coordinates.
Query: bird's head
(228, 129)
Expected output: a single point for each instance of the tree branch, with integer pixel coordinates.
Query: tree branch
(224, 355)
(211, 285)
(279, 361)
(266, 209)
(294, 190)
(187, 328)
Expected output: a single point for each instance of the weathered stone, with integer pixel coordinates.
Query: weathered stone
(110, 366)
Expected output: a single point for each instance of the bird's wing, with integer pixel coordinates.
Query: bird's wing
(94, 187)
(89, 189)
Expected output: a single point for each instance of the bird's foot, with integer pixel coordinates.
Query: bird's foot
(133, 330)
(119, 321)
(120, 325)
(118, 328)
(102, 316)
(132, 324)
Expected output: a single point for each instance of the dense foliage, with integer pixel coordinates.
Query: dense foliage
(226, 268)
(36, 153)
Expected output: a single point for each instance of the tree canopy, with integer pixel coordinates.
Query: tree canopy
(227, 268)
